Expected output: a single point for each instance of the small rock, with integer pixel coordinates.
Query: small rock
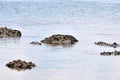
(115, 53)
(60, 39)
(35, 43)
(20, 65)
(114, 45)
(7, 32)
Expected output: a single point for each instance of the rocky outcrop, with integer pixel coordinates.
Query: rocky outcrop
(35, 43)
(114, 45)
(7, 32)
(20, 65)
(59, 39)
(115, 53)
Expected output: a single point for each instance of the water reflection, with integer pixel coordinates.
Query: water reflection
(10, 40)
(18, 69)
(62, 45)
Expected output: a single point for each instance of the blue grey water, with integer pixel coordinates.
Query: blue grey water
(88, 21)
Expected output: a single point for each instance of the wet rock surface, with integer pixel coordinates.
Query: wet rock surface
(7, 32)
(115, 53)
(59, 39)
(20, 65)
(114, 45)
(35, 43)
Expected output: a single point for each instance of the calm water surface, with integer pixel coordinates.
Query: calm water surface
(89, 22)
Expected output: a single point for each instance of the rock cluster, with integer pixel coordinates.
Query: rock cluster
(114, 45)
(7, 32)
(20, 65)
(59, 39)
(35, 43)
(115, 53)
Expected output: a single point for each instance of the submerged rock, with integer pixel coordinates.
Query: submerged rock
(20, 65)
(115, 53)
(114, 45)
(7, 32)
(59, 39)
(35, 43)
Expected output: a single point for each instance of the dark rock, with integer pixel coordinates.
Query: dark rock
(115, 53)
(59, 39)
(7, 32)
(114, 45)
(35, 43)
(20, 65)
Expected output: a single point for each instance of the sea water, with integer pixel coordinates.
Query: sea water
(88, 21)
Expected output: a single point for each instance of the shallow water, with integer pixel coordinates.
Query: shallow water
(89, 22)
